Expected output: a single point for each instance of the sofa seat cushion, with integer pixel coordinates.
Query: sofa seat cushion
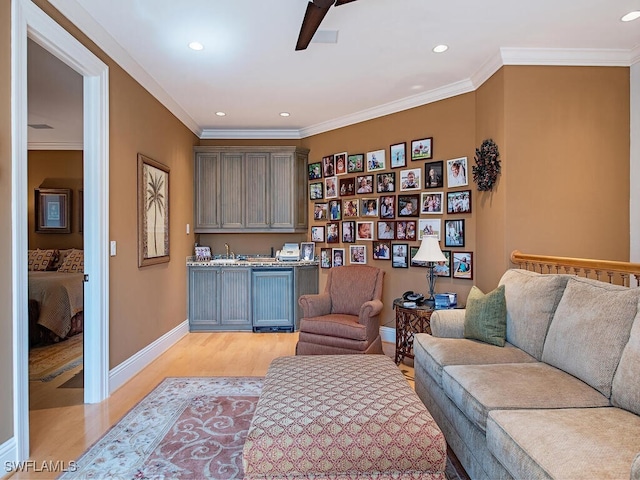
(531, 299)
(478, 389)
(335, 325)
(574, 443)
(434, 353)
(590, 329)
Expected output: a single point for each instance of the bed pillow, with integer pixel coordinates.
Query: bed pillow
(486, 316)
(73, 263)
(39, 260)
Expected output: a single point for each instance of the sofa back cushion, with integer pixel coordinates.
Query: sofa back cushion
(531, 299)
(590, 329)
(625, 392)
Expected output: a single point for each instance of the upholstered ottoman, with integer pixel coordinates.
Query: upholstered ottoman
(341, 416)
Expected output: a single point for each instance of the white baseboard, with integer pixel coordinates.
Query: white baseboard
(388, 334)
(134, 365)
(8, 457)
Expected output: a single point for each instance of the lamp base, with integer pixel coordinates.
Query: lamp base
(429, 302)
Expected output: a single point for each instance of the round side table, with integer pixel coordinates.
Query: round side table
(409, 321)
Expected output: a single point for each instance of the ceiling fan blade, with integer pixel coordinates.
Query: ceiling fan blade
(312, 20)
(342, 2)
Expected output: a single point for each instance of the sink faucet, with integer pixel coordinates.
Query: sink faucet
(226, 246)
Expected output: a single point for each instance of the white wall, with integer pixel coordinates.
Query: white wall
(634, 212)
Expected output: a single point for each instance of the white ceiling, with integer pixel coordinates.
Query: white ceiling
(383, 61)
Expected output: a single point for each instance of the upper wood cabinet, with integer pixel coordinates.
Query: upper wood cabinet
(250, 189)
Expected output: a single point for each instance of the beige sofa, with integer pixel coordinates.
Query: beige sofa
(561, 398)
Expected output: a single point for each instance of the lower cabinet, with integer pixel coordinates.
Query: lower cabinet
(273, 300)
(219, 298)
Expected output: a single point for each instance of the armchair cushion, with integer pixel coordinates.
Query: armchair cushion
(352, 287)
(337, 325)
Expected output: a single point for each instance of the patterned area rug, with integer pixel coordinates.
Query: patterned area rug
(46, 363)
(186, 428)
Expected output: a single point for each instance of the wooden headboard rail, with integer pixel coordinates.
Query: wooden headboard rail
(603, 270)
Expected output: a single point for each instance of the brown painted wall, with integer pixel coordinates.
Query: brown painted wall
(6, 304)
(55, 169)
(451, 123)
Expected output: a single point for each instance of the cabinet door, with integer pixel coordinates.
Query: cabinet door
(235, 297)
(301, 219)
(232, 187)
(283, 199)
(273, 298)
(257, 182)
(203, 306)
(206, 186)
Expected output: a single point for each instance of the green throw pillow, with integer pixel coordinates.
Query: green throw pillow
(486, 316)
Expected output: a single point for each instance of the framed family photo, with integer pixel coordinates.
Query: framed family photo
(454, 233)
(350, 208)
(459, 202)
(433, 177)
(348, 231)
(398, 155)
(325, 258)
(369, 207)
(153, 212)
(315, 171)
(375, 161)
(429, 226)
(347, 186)
(320, 211)
(443, 269)
(408, 205)
(463, 265)
(386, 230)
(355, 163)
(358, 254)
(400, 255)
(308, 250)
(317, 234)
(406, 230)
(422, 148)
(386, 182)
(338, 257)
(341, 163)
(387, 206)
(410, 179)
(316, 191)
(364, 231)
(457, 172)
(431, 203)
(329, 166)
(382, 250)
(330, 187)
(333, 232)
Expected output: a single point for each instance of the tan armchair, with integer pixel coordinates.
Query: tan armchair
(345, 319)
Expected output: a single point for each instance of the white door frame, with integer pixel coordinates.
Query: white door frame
(30, 21)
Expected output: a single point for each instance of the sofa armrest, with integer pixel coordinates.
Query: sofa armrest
(635, 468)
(315, 305)
(448, 323)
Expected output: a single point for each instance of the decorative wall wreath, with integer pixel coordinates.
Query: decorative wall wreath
(487, 167)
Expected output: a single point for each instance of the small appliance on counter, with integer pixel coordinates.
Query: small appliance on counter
(290, 252)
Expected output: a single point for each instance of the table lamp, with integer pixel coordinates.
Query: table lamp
(430, 253)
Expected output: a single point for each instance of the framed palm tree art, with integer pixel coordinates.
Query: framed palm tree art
(153, 212)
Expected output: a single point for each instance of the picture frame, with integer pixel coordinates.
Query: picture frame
(462, 265)
(376, 161)
(364, 231)
(411, 230)
(433, 174)
(347, 186)
(428, 226)
(320, 211)
(337, 256)
(412, 253)
(387, 207)
(400, 255)
(350, 208)
(454, 233)
(386, 182)
(316, 191)
(406, 230)
(457, 172)
(422, 149)
(355, 163)
(410, 179)
(459, 201)
(330, 187)
(443, 269)
(335, 210)
(386, 230)
(333, 232)
(348, 231)
(326, 258)
(398, 155)
(153, 212)
(52, 210)
(358, 254)
(317, 233)
(369, 207)
(381, 250)
(307, 251)
(328, 166)
(364, 184)
(431, 203)
(340, 160)
(315, 171)
(408, 205)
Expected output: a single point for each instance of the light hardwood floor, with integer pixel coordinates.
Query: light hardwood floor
(63, 431)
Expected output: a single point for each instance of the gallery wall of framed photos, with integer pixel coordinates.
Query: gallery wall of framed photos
(374, 206)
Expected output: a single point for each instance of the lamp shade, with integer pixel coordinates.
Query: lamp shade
(429, 250)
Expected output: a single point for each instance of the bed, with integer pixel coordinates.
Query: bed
(56, 302)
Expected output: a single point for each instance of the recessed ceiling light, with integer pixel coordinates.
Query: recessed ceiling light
(220, 114)
(284, 114)
(196, 46)
(440, 48)
(631, 16)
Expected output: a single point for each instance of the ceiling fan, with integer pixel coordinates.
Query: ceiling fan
(316, 10)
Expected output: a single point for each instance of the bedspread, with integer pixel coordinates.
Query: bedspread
(60, 296)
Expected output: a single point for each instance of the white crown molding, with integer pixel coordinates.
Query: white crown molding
(92, 29)
(635, 55)
(566, 56)
(55, 146)
(213, 133)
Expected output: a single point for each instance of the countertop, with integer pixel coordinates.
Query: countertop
(249, 261)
